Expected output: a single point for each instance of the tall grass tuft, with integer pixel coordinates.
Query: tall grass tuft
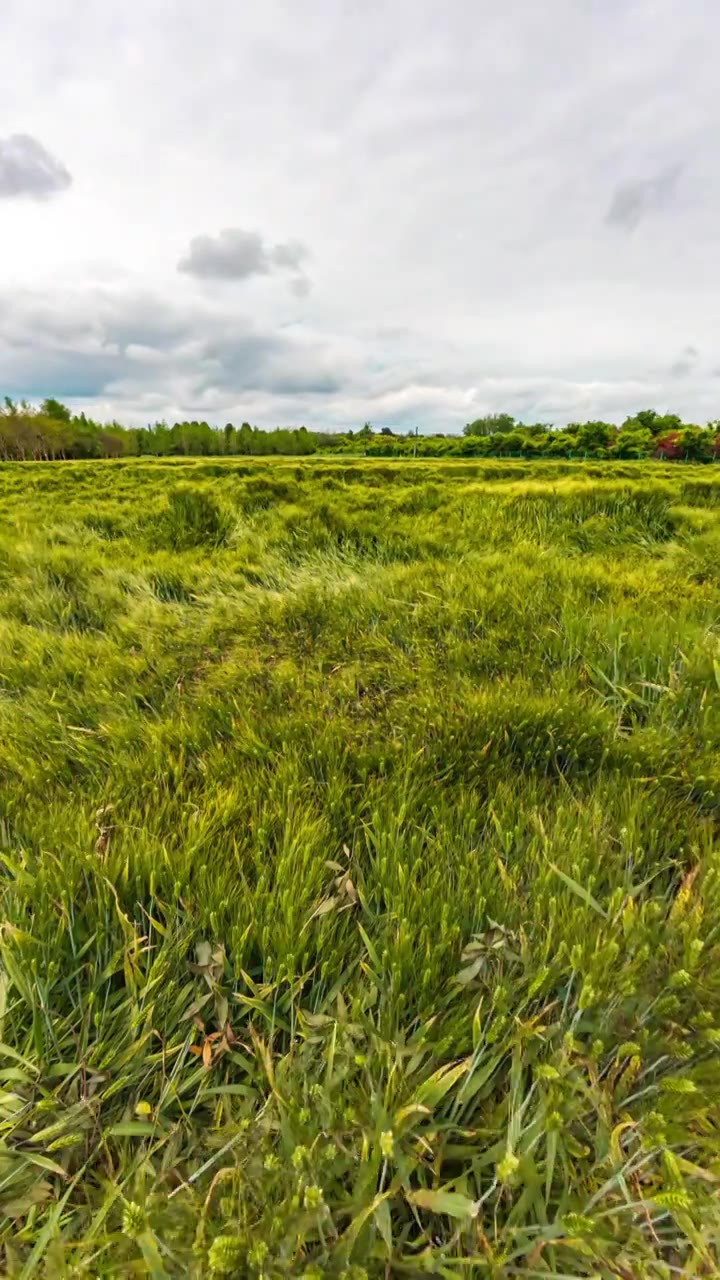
(191, 518)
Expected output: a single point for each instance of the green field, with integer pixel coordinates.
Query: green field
(359, 869)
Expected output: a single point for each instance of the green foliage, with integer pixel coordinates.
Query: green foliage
(634, 441)
(695, 444)
(658, 424)
(359, 871)
(491, 424)
(52, 432)
(594, 438)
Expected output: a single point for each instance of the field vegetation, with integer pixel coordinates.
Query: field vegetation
(359, 872)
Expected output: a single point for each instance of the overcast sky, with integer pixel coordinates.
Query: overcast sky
(407, 211)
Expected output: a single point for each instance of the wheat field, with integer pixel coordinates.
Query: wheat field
(359, 867)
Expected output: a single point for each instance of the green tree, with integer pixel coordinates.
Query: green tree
(507, 443)
(696, 444)
(54, 409)
(634, 441)
(594, 437)
(659, 424)
(490, 425)
(561, 444)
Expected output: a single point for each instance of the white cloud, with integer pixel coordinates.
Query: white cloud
(506, 206)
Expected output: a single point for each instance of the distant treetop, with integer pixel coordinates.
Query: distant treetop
(490, 424)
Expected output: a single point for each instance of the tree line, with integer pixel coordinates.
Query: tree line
(52, 431)
(646, 434)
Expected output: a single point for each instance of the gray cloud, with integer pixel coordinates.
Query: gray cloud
(235, 254)
(290, 256)
(633, 201)
(300, 286)
(107, 343)
(278, 363)
(139, 355)
(28, 169)
(451, 165)
(686, 363)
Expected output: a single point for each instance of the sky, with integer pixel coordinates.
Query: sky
(408, 212)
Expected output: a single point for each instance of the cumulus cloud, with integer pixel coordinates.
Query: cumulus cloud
(235, 254)
(28, 169)
(634, 200)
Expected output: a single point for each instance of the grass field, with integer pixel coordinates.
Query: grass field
(359, 869)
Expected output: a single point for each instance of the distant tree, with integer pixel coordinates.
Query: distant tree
(537, 442)
(305, 442)
(695, 444)
(634, 441)
(329, 440)
(112, 442)
(561, 444)
(657, 423)
(54, 409)
(386, 431)
(643, 418)
(594, 437)
(506, 443)
(668, 446)
(490, 425)
(244, 439)
(474, 446)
